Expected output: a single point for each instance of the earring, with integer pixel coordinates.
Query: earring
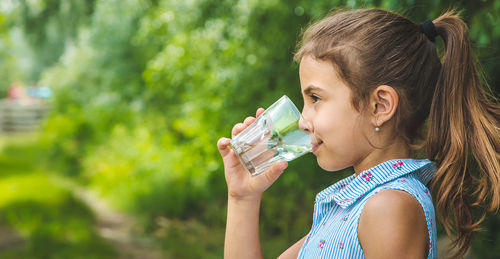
(377, 129)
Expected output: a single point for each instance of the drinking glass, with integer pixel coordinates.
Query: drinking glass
(274, 136)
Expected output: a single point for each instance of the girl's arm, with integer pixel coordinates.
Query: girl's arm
(244, 196)
(393, 225)
(242, 228)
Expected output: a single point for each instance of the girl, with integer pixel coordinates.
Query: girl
(372, 82)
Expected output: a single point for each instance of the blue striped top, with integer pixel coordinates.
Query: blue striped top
(337, 208)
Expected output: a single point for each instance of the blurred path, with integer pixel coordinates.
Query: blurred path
(10, 238)
(118, 229)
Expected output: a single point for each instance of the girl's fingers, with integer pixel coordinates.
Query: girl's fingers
(223, 146)
(259, 112)
(249, 120)
(237, 129)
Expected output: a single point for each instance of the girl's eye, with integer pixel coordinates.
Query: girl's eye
(314, 98)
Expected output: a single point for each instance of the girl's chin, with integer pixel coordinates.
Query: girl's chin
(330, 166)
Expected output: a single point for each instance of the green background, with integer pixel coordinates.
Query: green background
(142, 91)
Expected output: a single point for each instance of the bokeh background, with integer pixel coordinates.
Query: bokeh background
(112, 109)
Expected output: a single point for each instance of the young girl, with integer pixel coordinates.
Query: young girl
(372, 81)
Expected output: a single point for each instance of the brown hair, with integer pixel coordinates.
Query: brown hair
(372, 47)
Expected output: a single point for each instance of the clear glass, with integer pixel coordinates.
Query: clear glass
(274, 136)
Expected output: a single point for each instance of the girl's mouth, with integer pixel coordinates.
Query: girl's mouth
(316, 146)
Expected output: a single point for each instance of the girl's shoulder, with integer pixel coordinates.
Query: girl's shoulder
(393, 220)
(393, 198)
(397, 214)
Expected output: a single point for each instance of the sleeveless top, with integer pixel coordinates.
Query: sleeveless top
(337, 208)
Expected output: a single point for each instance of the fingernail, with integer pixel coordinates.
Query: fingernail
(223, 140)
(283, 165)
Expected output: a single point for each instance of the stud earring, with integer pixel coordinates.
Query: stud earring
(377, 129)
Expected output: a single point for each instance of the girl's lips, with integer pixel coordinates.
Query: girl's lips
(316, 146)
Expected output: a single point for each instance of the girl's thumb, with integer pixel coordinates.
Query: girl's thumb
(223, 146)
(275, 171)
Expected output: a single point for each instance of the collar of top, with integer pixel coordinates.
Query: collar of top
(350, 189)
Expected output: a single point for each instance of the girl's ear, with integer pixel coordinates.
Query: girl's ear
(384, 102)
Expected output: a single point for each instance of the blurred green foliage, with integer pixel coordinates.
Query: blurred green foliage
(144, 88)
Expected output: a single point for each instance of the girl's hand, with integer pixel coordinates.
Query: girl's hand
(239, 182)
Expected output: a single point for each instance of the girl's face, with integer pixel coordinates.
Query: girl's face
(330, 117)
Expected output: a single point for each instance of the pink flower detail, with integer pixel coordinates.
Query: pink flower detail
(398, 165)
(402, 181)
(321, 243)
(430, 244)
(367, 176)
(427, 192)
(341, 245)
(344, 218)
(344, 200)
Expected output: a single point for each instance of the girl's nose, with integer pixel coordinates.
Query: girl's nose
(305, 125)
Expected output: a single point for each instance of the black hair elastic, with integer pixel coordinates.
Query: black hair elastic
(429, 30)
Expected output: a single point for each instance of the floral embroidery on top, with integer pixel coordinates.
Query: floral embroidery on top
(367, 176)
(344, 218)
(398, 165)
(321, 243)
(344, 201)
(341, 245)
(402, 181)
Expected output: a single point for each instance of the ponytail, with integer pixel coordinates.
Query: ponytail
(463, 138)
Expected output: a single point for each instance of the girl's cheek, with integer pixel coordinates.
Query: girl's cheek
(317, 106)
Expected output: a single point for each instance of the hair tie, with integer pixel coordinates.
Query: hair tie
(429, 30)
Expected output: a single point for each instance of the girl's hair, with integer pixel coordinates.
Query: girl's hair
(372, 47)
